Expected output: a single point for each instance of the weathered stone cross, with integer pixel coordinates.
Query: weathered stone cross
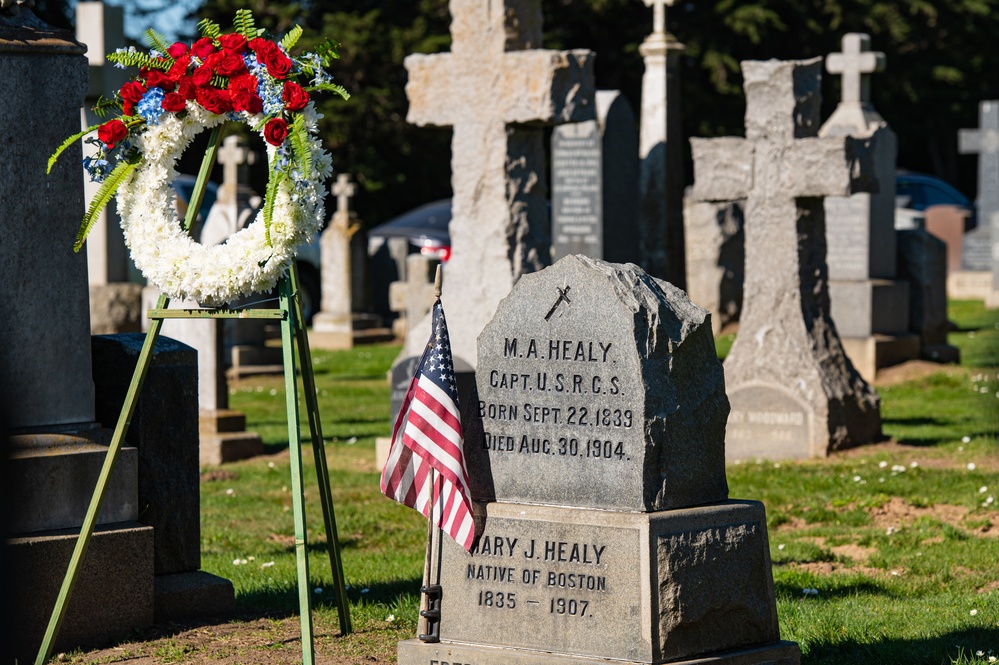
(984, 142)
(496, 96)
(658, 14)
(856, 63)
(787, 357)
(343, 189)
(235, 158)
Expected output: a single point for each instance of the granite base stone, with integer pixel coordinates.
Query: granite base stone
(191, 595)
(649, 587)
(113, 594)
(870, 354)
(869, 307)
(415, 652)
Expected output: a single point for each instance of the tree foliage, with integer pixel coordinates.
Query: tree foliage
(942, 60)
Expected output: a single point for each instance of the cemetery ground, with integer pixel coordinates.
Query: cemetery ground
(883, 554)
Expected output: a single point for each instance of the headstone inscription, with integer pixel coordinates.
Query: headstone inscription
(981, 246)
(599, 387)
(793, 391)
(869, 306)
(499, 225)
(661, 152)
(54, 447)
(332, 326)
(595, 183)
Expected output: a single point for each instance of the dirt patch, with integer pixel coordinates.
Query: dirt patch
(907, 371)
(897, 512)
(832, 567)
(990, 587)
(854, 552)
(218, 475)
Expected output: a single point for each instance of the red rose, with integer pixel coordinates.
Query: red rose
(186, 88)
(203, 48)
(174, 102)
(233, 42)
(277, 63)
(231, 64)
(276, 131)
(202, 76)
(214, 100)
(111, 132)
(177, 50)
(259, 45)
(179, 68)
(243, 100)
(244, 82)
(132, 92)
(295, 96)
(157, 79)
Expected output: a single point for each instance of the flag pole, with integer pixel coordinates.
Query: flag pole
(431, 590)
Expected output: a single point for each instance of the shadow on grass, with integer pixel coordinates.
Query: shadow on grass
(940, 650)
(282, 602)
(783, 589)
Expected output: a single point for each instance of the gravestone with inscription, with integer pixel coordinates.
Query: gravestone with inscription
(595, 183)
(793, 390)
(869, 305)
(594, 442)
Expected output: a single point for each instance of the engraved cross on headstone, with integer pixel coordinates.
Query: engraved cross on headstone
(496, 89)
(343, 189)
(235, 158)
(658, 14)
(855, 63)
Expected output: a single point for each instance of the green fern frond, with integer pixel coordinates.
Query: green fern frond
(138, 59)
(329, 87)
(269, 196)
(65, 144)
(243, 23)
(104, 194)
(300, 147)
(209, 28)
(291, 38)
(104, 105)
(328, 51)
(157, 41)
(220, 81)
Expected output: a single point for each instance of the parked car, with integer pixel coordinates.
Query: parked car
(425, 227)
(308, 261)
(919, 191)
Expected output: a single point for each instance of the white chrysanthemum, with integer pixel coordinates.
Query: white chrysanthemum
(245, 263)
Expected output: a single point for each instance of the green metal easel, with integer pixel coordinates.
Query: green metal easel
(293, 333)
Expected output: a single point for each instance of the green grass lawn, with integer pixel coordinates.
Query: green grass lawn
(886, 554)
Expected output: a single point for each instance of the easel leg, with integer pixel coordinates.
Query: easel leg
(87, 529)
(319, 450)
(297, 486)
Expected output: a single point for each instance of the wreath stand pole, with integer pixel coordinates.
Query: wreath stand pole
(292, 327)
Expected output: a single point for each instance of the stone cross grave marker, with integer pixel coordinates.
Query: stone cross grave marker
(414, 297)
(981, 246)
(855, 63)
(868, 304)
(660, 151)
(333, 326)
(595, 184)
(793, 391)
(496, 88)
(236, 202)
(598, 426)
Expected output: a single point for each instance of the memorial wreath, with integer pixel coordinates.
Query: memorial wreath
(180, 91)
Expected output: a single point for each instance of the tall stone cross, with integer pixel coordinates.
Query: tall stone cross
(235, 158)
(984, 142)
(343, 189)
(496, 89)
(856, 63)
(793, 391)
(660, 152)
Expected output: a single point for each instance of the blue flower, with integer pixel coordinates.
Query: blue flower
(97, 167)
(151, 106)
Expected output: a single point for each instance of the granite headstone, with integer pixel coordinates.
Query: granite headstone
(599, 386)
(595, 183)
(981, 246)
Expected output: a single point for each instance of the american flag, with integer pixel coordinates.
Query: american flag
(426, 438)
